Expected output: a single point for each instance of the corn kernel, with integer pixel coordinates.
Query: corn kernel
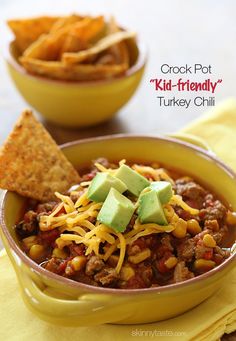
(203, 264)
(59, 253)
(171, 262)
(231, 218)
(126, 272)
(36, 251)
(209, 241)
(62, 243)
(180, 229)
(78, 262)
(29, 241)
(139, 257)
(193, 226)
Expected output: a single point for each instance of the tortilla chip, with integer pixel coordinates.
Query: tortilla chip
(74, 39)
(48, 46)
(106, 59)
(81, 72)
(65, 21)
(120, 50)
(73, 36)
(82, 33)
(26, 31)
(89, 29)
(32, 164)
(77, 48)
(103, 44)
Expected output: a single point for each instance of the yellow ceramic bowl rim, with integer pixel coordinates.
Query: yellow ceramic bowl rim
(139, 64)
(78, 285)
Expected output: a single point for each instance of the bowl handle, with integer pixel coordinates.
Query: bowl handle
(87, 309)
(195, 140)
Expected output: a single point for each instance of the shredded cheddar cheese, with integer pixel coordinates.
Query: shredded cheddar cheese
(177, 200)
(143, 170)
(85, 183)
(156, 174)
(79, 222)
(122, 252)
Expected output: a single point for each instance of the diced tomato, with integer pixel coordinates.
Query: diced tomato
(62, 267)
(184, 215)
(135, 282)
(79, 249)
(192, 203)
(90, 176)
(208, 255)
(202, 214)
(141, 243)
(160, 264)
(49, 237)
(62, 211)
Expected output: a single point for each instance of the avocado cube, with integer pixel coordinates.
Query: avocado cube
(163, 189)
(134, 181)
(116, 211)
(150, 209)
(101, 185)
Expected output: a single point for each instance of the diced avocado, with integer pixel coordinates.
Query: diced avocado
(101, 185)
(116, 211)
(150, 209)
(134, 181)
(163, 189)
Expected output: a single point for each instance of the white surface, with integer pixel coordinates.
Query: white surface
(177, 32)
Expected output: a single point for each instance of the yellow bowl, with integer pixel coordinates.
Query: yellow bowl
(65, 302)
(78, 104)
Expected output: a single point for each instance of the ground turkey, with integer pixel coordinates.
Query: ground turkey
(182, 273)
(216, 211)
(191, 192)
(94, 265)
(186, 249)
(106, 277)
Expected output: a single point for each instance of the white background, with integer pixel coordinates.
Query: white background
(176, 32)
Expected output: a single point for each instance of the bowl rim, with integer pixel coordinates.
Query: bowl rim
(139, 64)
(78, 285)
